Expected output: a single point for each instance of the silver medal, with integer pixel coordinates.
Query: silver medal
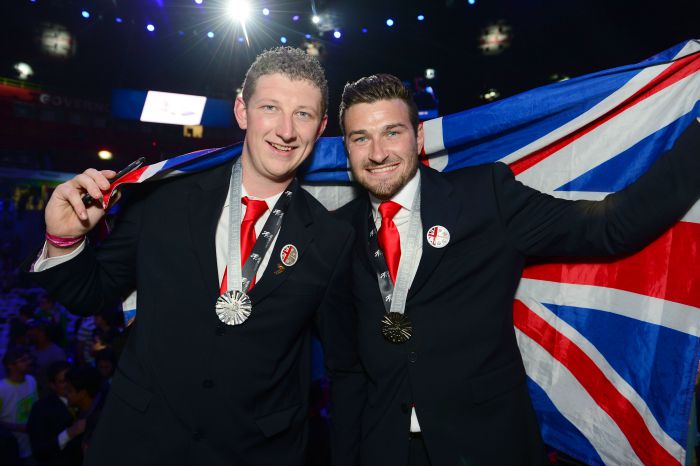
(233, 307)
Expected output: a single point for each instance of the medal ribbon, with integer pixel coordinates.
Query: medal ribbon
(239, 278)
(394, 295)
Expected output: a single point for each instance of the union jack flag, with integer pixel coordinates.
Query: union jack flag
(611, 348)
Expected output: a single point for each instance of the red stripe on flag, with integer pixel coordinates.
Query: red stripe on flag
(680, 69)
(600, 389)
(130, 177)
(667, 268)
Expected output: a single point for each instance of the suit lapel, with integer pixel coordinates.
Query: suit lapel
(438, 207)
(204, 206)
(296, 230)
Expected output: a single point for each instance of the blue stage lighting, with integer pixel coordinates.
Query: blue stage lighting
(266, 11)
(389, 22)
(85, 14)
(421, 17)
(199, 2)
(337, 34)
(308, 36)
(241, 39)
(118, 20)
(210, 34)
(150, 27)
(364, 30)
(295, 18)
(283, 40)
(471, 2)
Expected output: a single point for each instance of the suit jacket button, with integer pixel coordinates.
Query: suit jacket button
(208, 383)
(412, 356)
(197, 435)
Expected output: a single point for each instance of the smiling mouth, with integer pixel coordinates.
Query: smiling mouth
(280, 147)
(382, 169)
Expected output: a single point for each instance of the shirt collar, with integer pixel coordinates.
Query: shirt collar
(404, 197)
(271, 201)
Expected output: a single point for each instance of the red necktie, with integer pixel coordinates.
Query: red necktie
(254, 209)
(388, 237)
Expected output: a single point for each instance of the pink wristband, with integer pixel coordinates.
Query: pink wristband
(62, 241)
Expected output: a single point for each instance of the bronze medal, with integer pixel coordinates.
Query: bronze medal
(396, 327)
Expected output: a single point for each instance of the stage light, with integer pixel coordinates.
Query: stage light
(490, 95)
(118, 20)
(295, 18)
(241, 40)
(307, 36)
(337, 34)
(495, 38)
(210, 34)
(104, 154)
(85, 14)
(429, 73)
(390, 22)
(199, 2)
(421, 17)
(24, 71)
(471, 2)
(238, 10)
(150, 27)
(266, 11)
(283, 40)
(315, 19)
(364, 30)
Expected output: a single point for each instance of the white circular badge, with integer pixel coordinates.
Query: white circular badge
(289, 255)
(438, 236)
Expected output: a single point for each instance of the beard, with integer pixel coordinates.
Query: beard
(386, 189)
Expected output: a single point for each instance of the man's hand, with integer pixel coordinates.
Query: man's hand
(65, 213)
(76, 429)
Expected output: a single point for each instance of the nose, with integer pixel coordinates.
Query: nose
(377, 154)
(285, 128)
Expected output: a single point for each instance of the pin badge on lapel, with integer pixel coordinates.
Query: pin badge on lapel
(279, 270)
(438, 236)
(289, 255)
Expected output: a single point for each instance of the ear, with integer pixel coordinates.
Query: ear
(322, 126)
(241, 113)
(420, 137)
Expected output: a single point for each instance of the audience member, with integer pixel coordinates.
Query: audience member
(56, 316)
(83, 388)
(54, 435)
(44, 352)
(18, 392)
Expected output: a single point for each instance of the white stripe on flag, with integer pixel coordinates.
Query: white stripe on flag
(620, 384)
(575, 404)
(613, 100)
(680, 317)
(614, 136)
(434, 144)
(151, 170)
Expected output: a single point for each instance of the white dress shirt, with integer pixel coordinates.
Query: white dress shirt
(402, 219)
(221, 239)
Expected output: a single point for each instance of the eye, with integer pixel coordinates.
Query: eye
(303, 114)
(268, 108)
(359, 140)
(392, 133)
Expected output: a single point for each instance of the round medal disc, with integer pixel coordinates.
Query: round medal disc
(396, 327)
(233, 307)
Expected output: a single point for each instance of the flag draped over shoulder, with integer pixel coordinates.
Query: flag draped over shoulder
(611, 349)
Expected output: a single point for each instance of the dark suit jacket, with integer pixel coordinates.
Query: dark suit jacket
(189, 389)
(462, 367)
(50, 417)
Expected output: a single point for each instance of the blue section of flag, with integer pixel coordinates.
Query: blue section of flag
(557, 431)
(640, 352)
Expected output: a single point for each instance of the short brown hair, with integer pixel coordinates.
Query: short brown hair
(290, 62)
(377, 87)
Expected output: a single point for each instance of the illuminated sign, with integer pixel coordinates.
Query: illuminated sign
(174, 109)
